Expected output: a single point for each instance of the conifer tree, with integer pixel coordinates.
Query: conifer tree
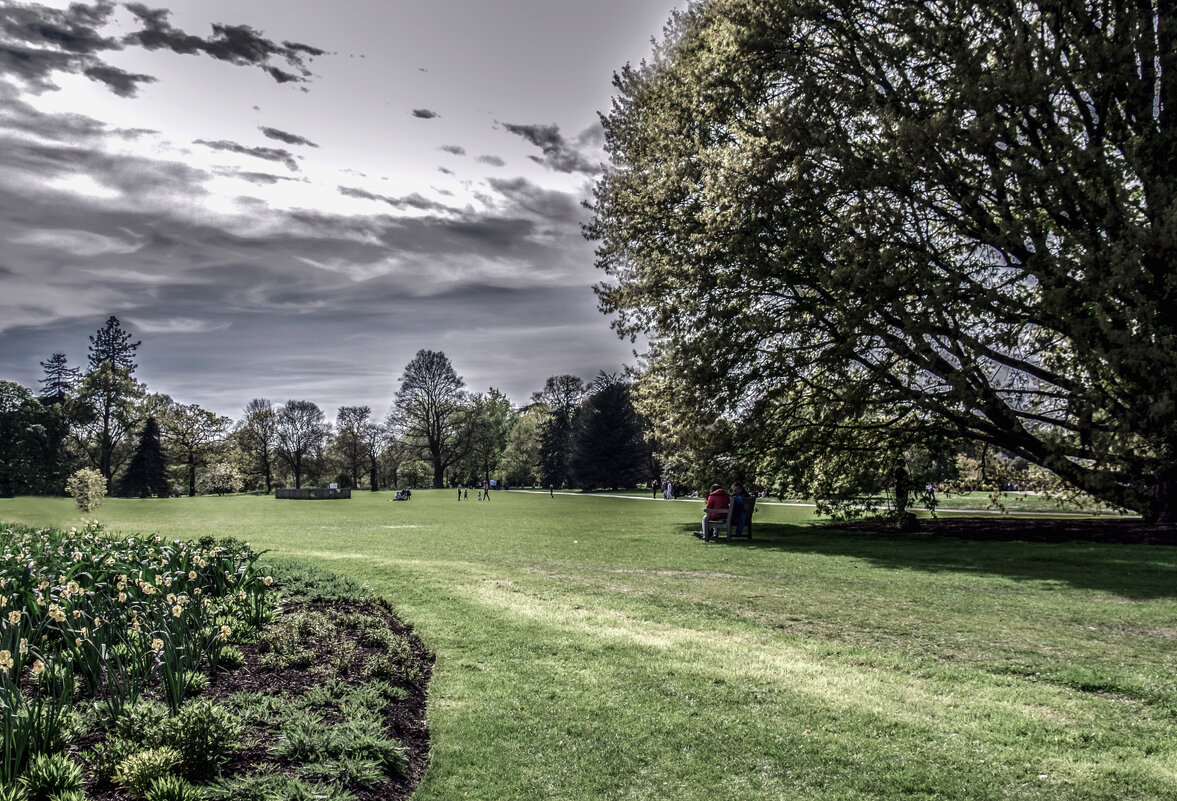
(147, 473)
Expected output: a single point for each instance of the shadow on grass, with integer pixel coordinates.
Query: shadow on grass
(1131, 571)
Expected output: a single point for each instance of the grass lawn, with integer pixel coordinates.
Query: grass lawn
(591, 648)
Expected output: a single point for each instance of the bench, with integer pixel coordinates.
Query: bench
(722, 521)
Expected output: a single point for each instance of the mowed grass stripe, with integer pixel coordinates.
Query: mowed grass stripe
(591, 648)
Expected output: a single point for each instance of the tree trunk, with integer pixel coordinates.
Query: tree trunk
(1163, 510)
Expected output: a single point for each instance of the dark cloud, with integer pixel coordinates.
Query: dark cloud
(493, 161)
(236, 44)
(559, 154)
(425, 114)
(413, 201)
(267, 153)
(121, 82)
(263, 178)
(288, 138)
(559, 207)
(446, 170)
(40, 41)
(457, 150)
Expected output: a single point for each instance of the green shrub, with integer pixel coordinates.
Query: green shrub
(48, 776)
(230, 658)
(173, 788)
(204, 735)
(142, 722)
(88, 489)
(107, 756)
(195, 683)
(137, 772)
(272, 787)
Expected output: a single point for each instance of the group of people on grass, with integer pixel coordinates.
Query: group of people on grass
(720, 503)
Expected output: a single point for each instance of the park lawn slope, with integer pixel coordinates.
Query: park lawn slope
(590, 647)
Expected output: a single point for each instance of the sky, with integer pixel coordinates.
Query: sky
(287, 199)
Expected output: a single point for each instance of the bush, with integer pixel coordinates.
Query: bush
(204, 735)
(50, 776)
(139, 771)
(173, 788)
(88, 489)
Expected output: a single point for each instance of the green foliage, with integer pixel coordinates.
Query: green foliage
(272, 787)
(51, 776)
(138, 772)
(30, 442)
(849, 228)
(108, 755)
(13, 792)
(204, 734)
(173, 788)
(88, 489)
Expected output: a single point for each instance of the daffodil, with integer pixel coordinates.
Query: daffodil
(6, 661)
(14, 617)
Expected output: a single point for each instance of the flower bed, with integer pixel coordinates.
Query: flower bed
(121, 676)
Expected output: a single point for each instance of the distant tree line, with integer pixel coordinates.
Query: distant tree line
(437, 433)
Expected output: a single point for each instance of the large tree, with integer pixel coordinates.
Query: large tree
(193, 435)
(608, 445)
(561, 396)
(29, 444)
(350, 444)
(104, 410)
(430, 412)
(147, 474)
(257, 438)
(855, 225)
(491, 418)
(300, 430)
(103, 413)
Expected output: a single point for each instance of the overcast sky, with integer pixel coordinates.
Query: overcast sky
(289, 198)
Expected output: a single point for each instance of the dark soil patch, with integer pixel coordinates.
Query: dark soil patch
(403, 719)
(1000, 528)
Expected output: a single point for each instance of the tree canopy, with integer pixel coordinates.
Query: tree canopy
(854, 226)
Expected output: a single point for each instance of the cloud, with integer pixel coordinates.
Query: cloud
(493, 161)
(267, 153)
(559, 154)
(425, 114)
(78, 243)
(283, 136)
(547, 204)
(413, 201)
(39, 41)
(236, 44)
(457, 150)
(121, 82)
(175, 325)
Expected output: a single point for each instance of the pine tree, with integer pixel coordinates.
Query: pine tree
(59, 379)
(112, 344)
(147, 473)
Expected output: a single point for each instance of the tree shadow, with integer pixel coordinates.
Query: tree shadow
(1132, 571)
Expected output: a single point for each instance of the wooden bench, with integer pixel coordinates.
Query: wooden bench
(722, 521)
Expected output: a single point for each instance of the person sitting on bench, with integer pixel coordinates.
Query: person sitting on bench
(719, 502)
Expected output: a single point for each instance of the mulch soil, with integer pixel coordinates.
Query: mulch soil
(404, 720)
(1002, 528)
